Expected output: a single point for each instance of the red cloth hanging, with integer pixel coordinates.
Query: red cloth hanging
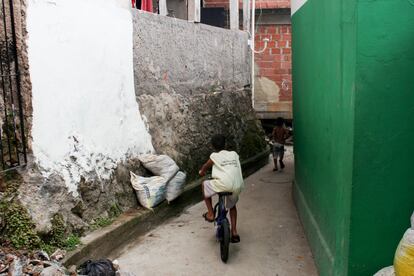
(146, 5)
(133, 3)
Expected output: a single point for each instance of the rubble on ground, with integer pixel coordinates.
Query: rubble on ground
(39, 263)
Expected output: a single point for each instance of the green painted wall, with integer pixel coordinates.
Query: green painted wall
(323, 98)
(383, 186)
(354, 140)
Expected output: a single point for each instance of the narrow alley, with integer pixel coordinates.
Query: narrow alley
(272, 238)
(109, 108)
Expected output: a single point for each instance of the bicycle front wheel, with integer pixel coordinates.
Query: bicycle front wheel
(225, 240)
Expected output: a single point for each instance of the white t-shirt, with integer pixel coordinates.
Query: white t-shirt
(226, 172)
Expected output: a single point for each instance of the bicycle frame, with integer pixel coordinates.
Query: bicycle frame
(221, 215)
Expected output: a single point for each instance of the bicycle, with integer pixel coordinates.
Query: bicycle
(222, 226)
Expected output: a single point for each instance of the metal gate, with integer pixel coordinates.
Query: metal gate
(12, 142)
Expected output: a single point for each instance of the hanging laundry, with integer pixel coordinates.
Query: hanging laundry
(146, 5)
(133, 3)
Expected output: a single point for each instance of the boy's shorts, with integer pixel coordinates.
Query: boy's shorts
(278, 150)
(231, 200)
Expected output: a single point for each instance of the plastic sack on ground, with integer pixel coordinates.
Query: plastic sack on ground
(404, 256)
(387, 271)
(150, 190)
(175, 186)
(161, 165)
(97, 268)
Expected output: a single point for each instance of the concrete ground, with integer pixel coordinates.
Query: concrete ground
(272, 238)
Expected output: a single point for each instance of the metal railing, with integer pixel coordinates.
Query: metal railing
(12, 131)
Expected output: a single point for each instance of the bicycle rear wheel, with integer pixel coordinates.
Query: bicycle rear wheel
(225, 240)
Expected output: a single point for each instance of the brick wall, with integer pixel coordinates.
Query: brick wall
(260, 4)
(275, 63)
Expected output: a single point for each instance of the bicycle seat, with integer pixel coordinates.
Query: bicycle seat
(225, 194)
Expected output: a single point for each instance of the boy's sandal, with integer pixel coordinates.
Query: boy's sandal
(235, 239)
(206, 218)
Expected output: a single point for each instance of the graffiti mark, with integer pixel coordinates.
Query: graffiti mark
(285, 85)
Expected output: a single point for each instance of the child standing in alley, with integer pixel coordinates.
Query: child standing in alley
(280, 134)
(227, 177)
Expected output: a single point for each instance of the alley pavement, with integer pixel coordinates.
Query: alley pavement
(272, 238)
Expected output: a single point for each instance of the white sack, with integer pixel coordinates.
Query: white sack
(388, 271)
(161, 165)
(404, 256)
(175, 186)
(412, 221)
(150, 190)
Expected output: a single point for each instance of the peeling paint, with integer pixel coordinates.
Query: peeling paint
(266, 90)
(85, 115)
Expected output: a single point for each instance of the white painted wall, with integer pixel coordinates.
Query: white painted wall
(296, 5)
(85, 115)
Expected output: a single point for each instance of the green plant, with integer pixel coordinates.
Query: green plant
(18, 229)
(49, 249)
(101, 222)
(114, 211)
(71, 242)
(251, 145)
(253, 141)
(57, 234)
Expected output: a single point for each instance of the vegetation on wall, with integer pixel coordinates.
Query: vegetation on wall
(17, 229)
(253, 141)
(113, 212)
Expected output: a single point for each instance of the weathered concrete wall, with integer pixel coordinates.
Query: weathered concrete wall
(87, 131)
(260, 4)
(181, 126)
(189, 86)
(176, 56)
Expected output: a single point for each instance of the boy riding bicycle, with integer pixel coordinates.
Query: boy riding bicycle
(227, 177)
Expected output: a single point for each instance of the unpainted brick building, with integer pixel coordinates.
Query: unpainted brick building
(273, 81)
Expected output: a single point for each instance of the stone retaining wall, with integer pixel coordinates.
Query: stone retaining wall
(189, 84)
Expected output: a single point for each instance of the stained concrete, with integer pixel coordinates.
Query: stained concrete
(180, 69)
(190, 84)
(175, 56)
(272, 239)
(182, 126)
